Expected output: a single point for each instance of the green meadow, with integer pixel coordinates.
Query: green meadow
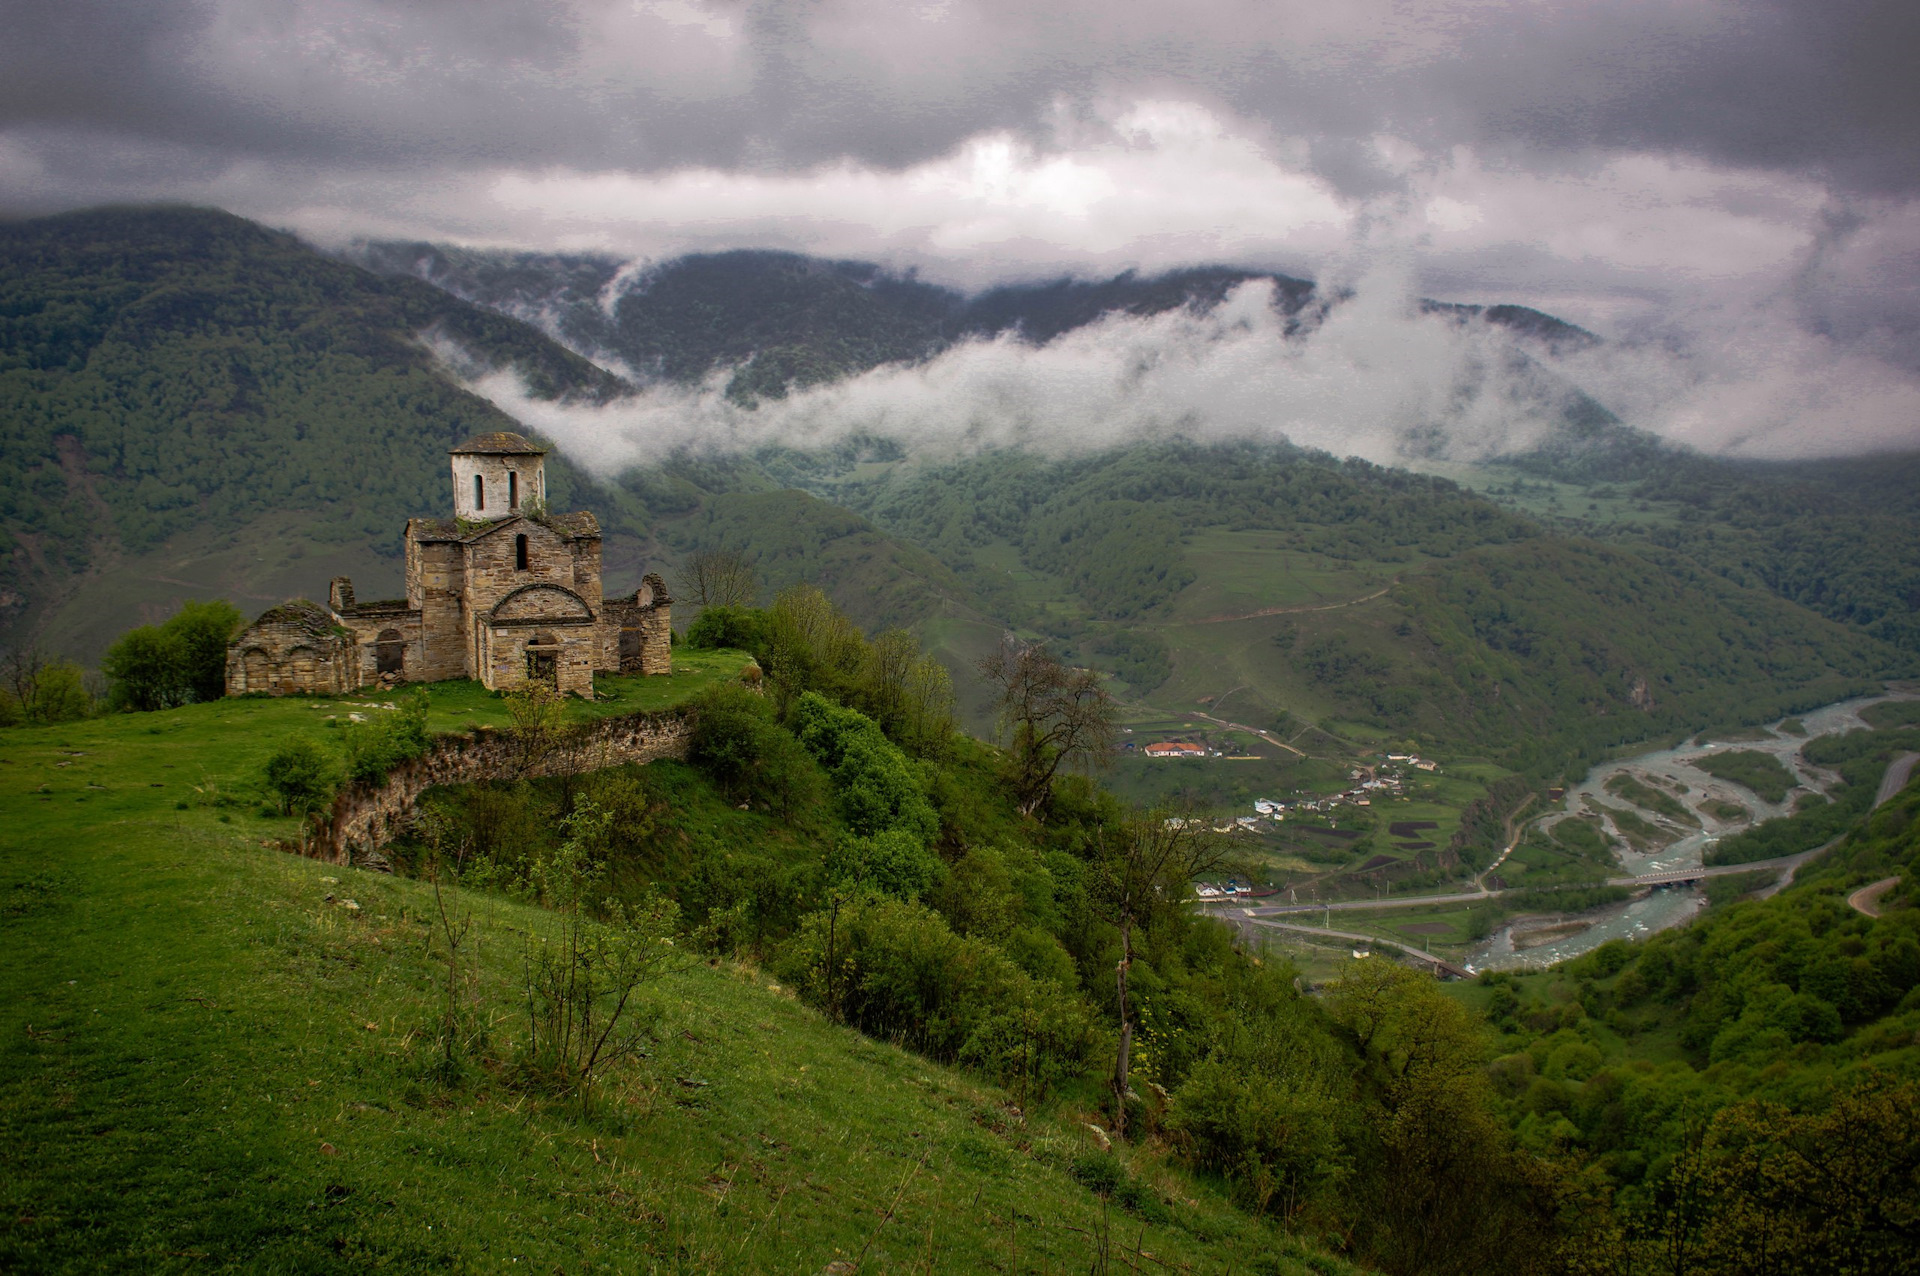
(222, 1056)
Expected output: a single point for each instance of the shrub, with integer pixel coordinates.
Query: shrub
(44, 693)
(876, 786)
(183, 660)
(893, 969)
(737, 743)
(146, 670)
(376, 746)
(301, 774)
(741, 628)
(893, 861)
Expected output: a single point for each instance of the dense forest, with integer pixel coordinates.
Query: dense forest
(1743, 1086)
(166, 369)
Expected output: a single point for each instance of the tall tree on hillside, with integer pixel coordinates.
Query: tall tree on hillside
(719, 578)
(1144, 865)
(1053, 715)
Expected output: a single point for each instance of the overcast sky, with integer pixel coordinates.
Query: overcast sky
(1742, 175)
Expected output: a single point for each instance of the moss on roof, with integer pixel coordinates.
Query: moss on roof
(304, 613)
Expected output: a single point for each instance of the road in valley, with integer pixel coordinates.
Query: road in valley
(1898, 772)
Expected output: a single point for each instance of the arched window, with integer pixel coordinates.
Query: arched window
(479, 493)
(513, 490)
(520, 553)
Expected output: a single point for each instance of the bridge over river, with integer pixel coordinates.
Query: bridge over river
(1898, 772)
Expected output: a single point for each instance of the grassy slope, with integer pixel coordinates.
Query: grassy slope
(205, 1061)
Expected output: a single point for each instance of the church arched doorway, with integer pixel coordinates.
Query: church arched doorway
(390, 652)
(543, 660)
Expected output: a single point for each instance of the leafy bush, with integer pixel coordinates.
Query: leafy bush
(893, 861)
(387, 739)
(894, 969)
(740, 628)
(302, 774)
(43, 693)
(876, 786)
(181, 661)
(751, 757)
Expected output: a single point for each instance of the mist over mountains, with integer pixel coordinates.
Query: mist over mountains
(738, 350)
(735, 350)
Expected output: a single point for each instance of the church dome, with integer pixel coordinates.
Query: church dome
(498, 443)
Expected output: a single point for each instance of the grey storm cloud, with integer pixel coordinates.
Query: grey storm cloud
(1732, 178)
(1825, 88)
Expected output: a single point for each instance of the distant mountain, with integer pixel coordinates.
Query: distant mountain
(194, 405)
(782, 320)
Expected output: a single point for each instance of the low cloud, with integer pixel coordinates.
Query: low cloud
(1378, 378)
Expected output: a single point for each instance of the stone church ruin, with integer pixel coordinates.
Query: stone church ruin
(502, 592)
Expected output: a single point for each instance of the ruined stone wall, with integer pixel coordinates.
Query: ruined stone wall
(639, 628)
(585, 553)
(292, 649)
(366, 817)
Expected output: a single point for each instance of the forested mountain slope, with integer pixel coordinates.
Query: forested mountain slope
(1735, 1085)
(1331, 588)
(182, 370)
(1840, 537)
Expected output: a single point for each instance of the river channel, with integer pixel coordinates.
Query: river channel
(1667, 905)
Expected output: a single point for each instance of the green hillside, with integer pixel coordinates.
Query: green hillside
(217, 1054)
(1840, 537)
(1318, 590)
(1743, 1089)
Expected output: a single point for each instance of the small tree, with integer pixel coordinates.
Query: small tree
(1142, 866)
(718, 578)
(34, 689)
(183, 660)
(583, 984)
(301, 774)
(203, 631)
(147, 670)
(376, 746)
(539, 714)
(1053, 715)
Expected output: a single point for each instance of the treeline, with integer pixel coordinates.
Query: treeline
(1741, 1091)
(180, 661)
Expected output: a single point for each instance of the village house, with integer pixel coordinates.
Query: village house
(503, 592)
(1175, 749)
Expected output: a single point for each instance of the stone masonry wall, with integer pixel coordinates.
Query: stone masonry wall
(367, 817)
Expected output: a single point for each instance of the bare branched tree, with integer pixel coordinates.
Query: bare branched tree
(1053, 716)
(1145, 865)
(719, 578)
(538, 715)
(20, 668)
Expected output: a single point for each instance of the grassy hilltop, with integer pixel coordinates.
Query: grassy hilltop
(220, 1054)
